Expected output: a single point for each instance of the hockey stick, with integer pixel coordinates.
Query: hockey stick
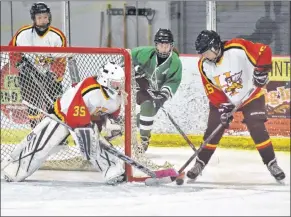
(109, 29)
(124, 26)
(179, 129)
(153, 174)
(101, 28)
(168, 180)
(156, 175)
(180, 178)
(73, 70)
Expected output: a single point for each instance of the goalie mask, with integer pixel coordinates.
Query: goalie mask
(164, 41)
(40, 8)
(112, 77)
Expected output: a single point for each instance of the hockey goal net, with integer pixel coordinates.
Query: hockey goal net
(54, 70)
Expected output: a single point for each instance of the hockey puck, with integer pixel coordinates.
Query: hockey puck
(180, 181)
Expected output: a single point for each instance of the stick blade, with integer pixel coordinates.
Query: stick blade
(165, 176)
(166, 172)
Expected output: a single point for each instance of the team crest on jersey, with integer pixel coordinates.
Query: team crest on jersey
(233, 83)
(100, 111)
(42, 60)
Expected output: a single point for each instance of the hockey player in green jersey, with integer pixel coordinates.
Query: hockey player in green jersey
(158, 72)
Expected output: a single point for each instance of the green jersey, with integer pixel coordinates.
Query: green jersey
(165, 77)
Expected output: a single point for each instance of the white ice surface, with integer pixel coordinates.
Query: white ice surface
(234, 183)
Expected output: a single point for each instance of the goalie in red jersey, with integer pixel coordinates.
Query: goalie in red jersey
(229, 70)
(94, 99)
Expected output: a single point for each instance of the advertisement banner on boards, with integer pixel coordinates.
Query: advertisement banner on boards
(11, 108)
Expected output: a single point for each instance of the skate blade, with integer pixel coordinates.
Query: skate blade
(281, 182)
(191, 181)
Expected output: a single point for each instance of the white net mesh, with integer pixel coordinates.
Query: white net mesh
(39, 78)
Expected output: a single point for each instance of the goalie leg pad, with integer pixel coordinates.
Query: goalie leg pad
(44, 140)
(89, 141)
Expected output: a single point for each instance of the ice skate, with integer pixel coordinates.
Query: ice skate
(196, 169)
(275, 170)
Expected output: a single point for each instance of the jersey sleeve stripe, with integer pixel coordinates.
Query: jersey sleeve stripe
(57, 110)
(61, 35)
(168, 90)
(90, 88)
(105, 94)
(18, 32)
(239, 46)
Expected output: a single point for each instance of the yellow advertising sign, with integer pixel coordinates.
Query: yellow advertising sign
(280, 69)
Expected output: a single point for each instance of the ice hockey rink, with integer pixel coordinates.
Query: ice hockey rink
(234, 183)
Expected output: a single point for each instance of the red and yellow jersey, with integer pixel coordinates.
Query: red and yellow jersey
(53, 37)
(232, 77)
(87, 98)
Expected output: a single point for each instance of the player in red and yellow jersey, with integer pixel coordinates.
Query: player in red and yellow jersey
(100, 96)
(46, 68)
(229, 70)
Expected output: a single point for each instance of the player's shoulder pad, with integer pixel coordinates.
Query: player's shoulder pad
(57, 31)
(91, 80)
(21, 32)
(203, 65)
(23, 28)
(176, 59)
(60, 34)
(143, 49)
(236, 43)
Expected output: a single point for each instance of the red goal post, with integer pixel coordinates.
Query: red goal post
(15, 124)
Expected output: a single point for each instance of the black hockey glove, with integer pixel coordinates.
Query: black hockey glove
(224, 110)
(158, 97)
(142, 83)
(141, 96)
(139, 72)
(260, 79)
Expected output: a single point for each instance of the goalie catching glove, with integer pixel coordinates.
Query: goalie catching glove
(113, 127)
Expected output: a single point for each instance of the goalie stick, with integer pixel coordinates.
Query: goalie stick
(154, 174)
(168, 180)
(157, 176)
